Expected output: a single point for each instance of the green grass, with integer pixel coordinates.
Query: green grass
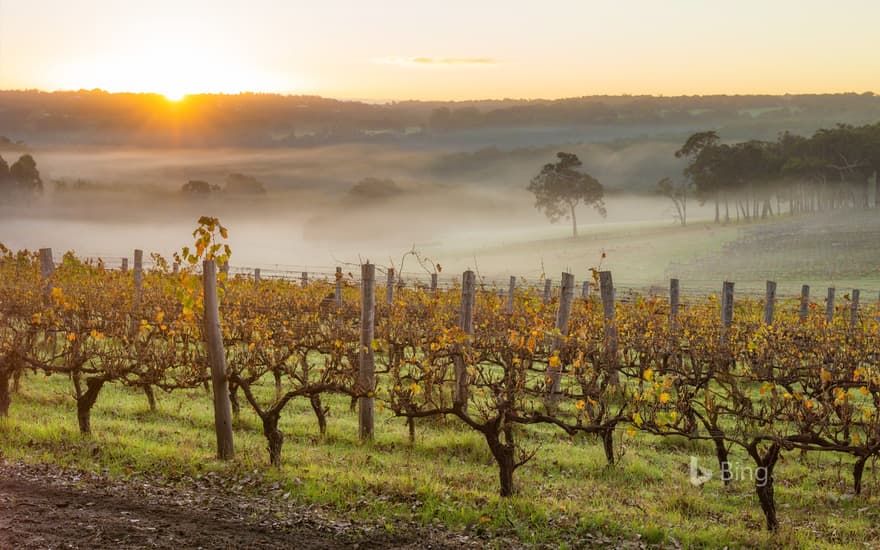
(566, 496)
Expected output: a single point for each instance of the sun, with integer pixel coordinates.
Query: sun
(174, 96)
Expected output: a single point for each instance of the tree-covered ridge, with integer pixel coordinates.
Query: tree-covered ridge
(831, 169)
(99, 117)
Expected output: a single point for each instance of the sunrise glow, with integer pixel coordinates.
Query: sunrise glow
(474, 50)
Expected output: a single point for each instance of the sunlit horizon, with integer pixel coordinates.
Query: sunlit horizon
(398, 50)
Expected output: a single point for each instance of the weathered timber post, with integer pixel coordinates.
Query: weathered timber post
(726, 309)
(338, 286)
(769, 302)
(433, 282)
(511, 293)
(606, 291)
(175, 268)
(805, 303)
(674, 297)
(366, 369)
(585, 290)
(138, 287)
(854, 310)
(548, 288)
(829, 305)
(217, 360)
(47, 268)
(389, 287)
(257, 275)
(124, 268)
(304, 279)
(466, 323)
(136, 314)
(563, 313)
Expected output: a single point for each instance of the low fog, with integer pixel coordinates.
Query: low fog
(316, 212)
(341, 204)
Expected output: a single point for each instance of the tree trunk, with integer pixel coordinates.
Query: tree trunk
(320, 413)
(503, 454)
(717, 217)
(721, 454)
(274, 437)
(608, 445)
(768, 503)
(16, 381)
(277, 374)
(574, 223)
(411, 424)
(85, 402)
(233, 400)
(858, 469)
(877, 189)
(151, 397)
(5, 398)
(764, 482)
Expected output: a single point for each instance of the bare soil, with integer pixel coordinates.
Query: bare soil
(48, 507)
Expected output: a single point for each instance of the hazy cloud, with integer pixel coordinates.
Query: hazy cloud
(437, 61)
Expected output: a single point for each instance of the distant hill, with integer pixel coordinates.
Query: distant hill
(269, 120)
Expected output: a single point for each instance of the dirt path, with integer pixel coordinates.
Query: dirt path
(44, 507)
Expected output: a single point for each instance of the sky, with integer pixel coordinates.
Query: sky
(441, 50)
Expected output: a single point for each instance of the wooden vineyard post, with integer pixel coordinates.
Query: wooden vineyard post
(136, 314)
(138, 286)
(366, 368)
(854, 310)
(338, 295)
(47, 268)
(769, 302)
(585, 290)
(829, 305)
(304, 279)
(548, 288)
(511, 294)
(257, 275)
(726, 309)
(217, 360)
(389, 287)
(606, 291)
(805, 302)
(674, 297)
(124, 267)
(175, 269)
(224, 269)
(466, 323)
(563, 313)
(433, 282)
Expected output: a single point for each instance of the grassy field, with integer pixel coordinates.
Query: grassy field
(566, 497)
(834, 249)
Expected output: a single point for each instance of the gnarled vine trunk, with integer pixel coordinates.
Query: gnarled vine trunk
(5, 398)
(320, 412)
(274, 437)
(84, 403)
(504, 456)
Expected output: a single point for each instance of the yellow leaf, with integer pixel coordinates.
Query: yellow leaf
(580, 404)
(664, 397)
(637, 419)
(648, 374)
(554, 361)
